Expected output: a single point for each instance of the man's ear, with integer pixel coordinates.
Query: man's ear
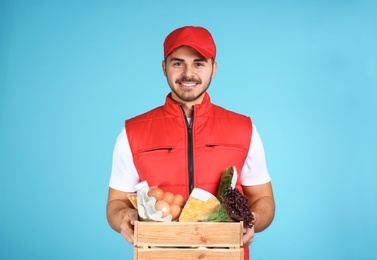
(164, 67)
(214, 69)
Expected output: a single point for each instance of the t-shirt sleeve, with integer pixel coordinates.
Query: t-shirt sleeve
(254, 171)
(124, 175)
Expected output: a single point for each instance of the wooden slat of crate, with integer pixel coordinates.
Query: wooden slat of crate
(188, 254)
(177, 234)
(188, 240)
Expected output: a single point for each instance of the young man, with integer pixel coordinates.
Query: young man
(188, 142)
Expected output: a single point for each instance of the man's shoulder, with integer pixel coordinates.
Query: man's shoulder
(153, 113)
(221, 111)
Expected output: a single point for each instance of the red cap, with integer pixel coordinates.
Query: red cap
(196, 37)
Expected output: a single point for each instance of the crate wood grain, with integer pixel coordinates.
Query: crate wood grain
(188, 240)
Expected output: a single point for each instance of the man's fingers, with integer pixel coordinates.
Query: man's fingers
(248, 236)
(128, 236)
(128, 222)
(133, 216)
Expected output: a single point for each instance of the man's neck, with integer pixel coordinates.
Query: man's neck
(188, 106)
(188, 110)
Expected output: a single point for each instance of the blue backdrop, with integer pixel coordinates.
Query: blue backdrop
(72, 71)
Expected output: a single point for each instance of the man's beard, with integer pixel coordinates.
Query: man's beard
(187, 96)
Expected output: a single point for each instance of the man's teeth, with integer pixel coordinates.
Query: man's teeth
(188, 84)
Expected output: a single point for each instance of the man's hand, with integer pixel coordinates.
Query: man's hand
(121, 215)
(262, 204)
(127, 225)
(248, 236)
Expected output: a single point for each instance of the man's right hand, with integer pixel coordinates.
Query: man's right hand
(127, 225)
(120, 213)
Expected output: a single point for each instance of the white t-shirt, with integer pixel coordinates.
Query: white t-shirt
(124, 175)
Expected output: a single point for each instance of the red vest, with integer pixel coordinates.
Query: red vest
(176, 157)
(170, 154)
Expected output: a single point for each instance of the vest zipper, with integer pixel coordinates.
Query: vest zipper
(190, 159)
(190, 151)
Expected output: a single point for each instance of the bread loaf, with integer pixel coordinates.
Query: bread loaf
(199, 206)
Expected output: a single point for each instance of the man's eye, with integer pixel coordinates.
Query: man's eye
(199, 64)
(177, 64)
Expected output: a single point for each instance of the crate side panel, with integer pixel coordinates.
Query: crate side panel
(189, 254)
(189, 234)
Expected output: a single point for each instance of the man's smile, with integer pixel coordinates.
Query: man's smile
(188, 84)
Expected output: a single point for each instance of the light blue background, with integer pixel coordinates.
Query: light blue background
(72, 71)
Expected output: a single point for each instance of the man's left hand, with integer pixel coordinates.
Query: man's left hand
(248, 236)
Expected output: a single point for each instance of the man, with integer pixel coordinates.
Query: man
(188, 142)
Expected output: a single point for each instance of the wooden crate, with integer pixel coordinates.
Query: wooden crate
(188, 240)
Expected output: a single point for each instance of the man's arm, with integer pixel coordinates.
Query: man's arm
(120, 213)
(261, 203)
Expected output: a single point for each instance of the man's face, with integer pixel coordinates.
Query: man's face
(189, 75)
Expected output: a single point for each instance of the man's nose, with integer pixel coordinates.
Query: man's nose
(188, 71)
